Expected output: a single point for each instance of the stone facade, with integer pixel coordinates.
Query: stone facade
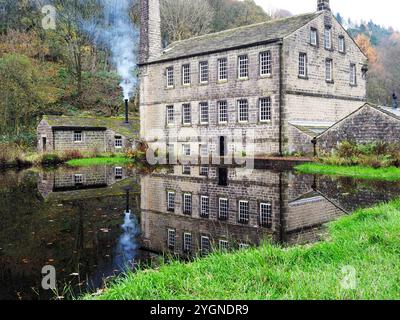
(308, 99)
(367, 124)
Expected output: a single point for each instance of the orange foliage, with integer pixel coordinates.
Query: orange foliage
(365, 44)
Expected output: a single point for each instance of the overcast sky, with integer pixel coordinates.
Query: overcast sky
(384, 12)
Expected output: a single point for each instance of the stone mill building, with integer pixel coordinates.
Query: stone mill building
(267, 88)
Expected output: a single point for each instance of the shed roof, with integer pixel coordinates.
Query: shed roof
(116, 124)
(259, 33)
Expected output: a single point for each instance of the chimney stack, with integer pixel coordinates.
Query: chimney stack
(323, 5)
(126, 111)
(150, 30)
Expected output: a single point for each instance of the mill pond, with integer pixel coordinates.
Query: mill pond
(93, 223)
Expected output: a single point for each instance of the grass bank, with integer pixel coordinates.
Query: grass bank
(90, 162)
(358, 172)
(359, 260)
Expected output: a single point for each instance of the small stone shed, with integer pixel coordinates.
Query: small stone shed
(367, 124)
(63, 133)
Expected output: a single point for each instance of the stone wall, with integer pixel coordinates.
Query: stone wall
(299, 141)
(368, 124)
(44, 131)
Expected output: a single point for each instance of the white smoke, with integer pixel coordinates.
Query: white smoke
(116, 32)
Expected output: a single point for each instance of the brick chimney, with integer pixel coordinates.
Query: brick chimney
(323, 5)
(150, 30)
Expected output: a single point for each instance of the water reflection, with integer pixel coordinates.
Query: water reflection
(90, 223)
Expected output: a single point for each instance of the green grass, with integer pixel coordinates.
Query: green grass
(358, 172)
(367, 242)
(89, 162)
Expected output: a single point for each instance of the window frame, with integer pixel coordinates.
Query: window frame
(265, 64)
(187, 108)
(219, 71)
(186, 147)
(171, 205)
(168, 118)
(118, 142)
(205, 213)
(187, 247)
(202, 107)
(171, 244)
(78, 179)
(329, 76)
(313, 31)
(222, 103)
(353, 74)
(186, 169)
(246, 219)
(118, 172)
(328, 36)
(225, 247)
(207, 238)
(170, 76)
(204, 171)
(204, 64)
(305, 66)
(78, 134)
(220, 217)
(243, 66)
(265, 222)
(186, 75)
(342, 44)
(186, 196)
(269, 107)
(240, 113)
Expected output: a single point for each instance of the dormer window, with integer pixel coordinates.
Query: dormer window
(314, 37)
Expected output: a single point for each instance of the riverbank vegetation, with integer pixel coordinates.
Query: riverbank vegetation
(360, 259)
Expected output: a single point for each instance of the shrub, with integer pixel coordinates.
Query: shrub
(72, 155)
(50, 159)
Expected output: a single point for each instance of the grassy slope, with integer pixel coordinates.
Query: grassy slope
(120, 160)
(384, 174)
(368, 241)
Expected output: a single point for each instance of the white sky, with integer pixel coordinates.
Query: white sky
(383, 12)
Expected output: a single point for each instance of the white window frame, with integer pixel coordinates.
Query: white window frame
(78, 136)
(265, 109)
(187, 203)
(204, 113)
(303, 65)
(203, 72)
(202, 239)
(186, 75)
(170, 77)
(244, 246)
(187, 242)
(243, 114)
(119, 172)
(78, 179)
(265, 214)
(186, 150)
(328, 38)
(186, 114)
(171, 201)
(221, 115)
(243, 217)
(222, 69)
(226, 210)
(171, 238)
(223, 245)
(314, 37)
(243, 66)
(329, 70)
(204, 206)
(170, 115)
(118, 142)
(342, 44)
(353, 74)
(265, 64)
(204, 171)
(204, 151)
(186, 169)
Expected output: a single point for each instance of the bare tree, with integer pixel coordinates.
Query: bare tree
(182, 19)
(276, 13)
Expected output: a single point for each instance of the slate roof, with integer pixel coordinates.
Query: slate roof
(116, 124)
(259, 33)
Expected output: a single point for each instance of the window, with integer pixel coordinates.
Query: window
(303, 65)
(243, 246)
(171, 201)
(223, 245)
(186, 114)
(205, 244)
(342, 44)
(78, 179)
(170, 115)
(171, 240)
(313, 37)
(243, 67)
(328, 38)
(223, 69)
(222, 111)
(265, 215)
(204, 116)
(118, 173)
(78, 136)
(244, 214)
(187, 203)
(204, 171)
(186, 170)
(187, 242)
(186, 74)
(329, 70)
(353, 74)
(223, 209)
(265, 63)
(170, 77)
(243, 110)
(204, 206)
(204, 151)
(118, 142)
(265, 109)
(186, 150)
(203, 71)
(171, 152)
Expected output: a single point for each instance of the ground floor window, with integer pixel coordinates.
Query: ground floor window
(118, 173)
(223, 245)
(78, 136)
(205, 244)
(118, 142)
(223, 209)
(78, 179)
(265, 215)
(187, 203)
(171, 239)
(244, 212)
(204, 171)
(187, 242)
(186, 170)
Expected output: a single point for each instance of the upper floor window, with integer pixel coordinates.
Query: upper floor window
(265, 109)
(204, 151)
(186, 74)
(223, 209)
(265, 63)
(186, 150)
(243, 67)
(186, 169)
(170, 201)
(204, 171)
(78, 136)
(328, 38)
(203, 71)
(170, 77)
(187, 203)
(342, 44)
(303, 65)
(204, 114)
(118, 142)
(186, 114)
(329, 70)
(222, 69)
(170, 115)
(204, 206)
(313, 37)
(265, 215)
(222, 111)
(243, 110)
(353, 74)
(244, 212)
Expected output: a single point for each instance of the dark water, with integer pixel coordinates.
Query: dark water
(93, 223)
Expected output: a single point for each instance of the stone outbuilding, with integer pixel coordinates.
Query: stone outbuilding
(62, 133)
(365, 125)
